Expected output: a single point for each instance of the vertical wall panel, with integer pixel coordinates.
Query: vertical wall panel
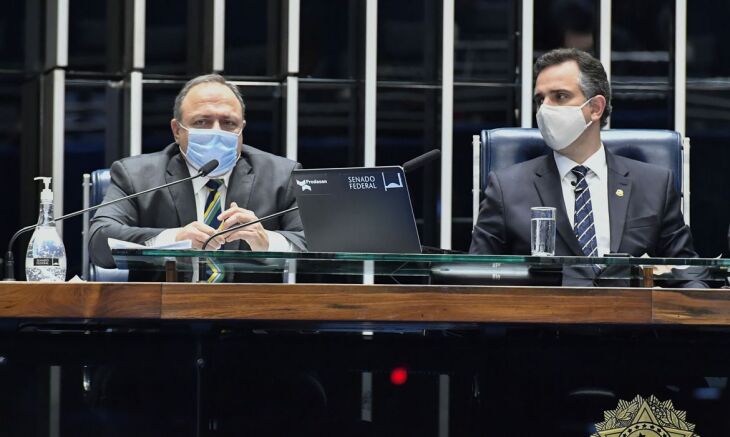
(680, 66)
(56, 60)
(135, 113)
(219, 32)
(526, 63)
(138, 33)
(447, 123)
(292, 80)
(371, 63)
(605, 40)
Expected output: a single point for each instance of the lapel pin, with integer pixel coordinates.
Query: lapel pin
(620, 192)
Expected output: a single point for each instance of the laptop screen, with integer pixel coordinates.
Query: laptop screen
(356, 210)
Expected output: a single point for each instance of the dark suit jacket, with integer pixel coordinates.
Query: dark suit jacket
(646, 219)
(259, 182)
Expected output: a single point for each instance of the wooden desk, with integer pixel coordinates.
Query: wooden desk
(371, 303)
(507, 354)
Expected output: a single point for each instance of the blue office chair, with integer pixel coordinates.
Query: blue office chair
(500, 148)
(95, 186)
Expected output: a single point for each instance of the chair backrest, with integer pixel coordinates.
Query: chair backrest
(503, 147)
(99, 182)
(500, 148)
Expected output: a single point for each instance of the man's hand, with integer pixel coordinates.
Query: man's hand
(198, 233)
(255, 235)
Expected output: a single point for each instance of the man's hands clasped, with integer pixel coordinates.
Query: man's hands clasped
(255, 235)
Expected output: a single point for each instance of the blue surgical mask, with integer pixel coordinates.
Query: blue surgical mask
(205, 145)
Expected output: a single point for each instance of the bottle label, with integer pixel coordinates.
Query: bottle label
(45, 262)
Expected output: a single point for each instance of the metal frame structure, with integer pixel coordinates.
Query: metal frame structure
(212, 58)
(371, 79)
(526, 50)
(292, 80)
(447, 124)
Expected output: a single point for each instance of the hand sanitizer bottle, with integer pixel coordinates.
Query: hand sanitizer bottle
(45, 259)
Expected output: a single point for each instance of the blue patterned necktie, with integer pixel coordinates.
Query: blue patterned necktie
(583, 226)
(214, 271)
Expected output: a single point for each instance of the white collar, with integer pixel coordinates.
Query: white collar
(596, 163)
(199, 183)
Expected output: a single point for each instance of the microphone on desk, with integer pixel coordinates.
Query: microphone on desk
(243, 225)
(421, 160)
(10, 262)
(416, 163)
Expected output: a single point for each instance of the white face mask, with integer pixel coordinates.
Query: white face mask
(561, 125)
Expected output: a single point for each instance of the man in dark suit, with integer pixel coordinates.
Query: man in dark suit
(209, 118)
(604, 203)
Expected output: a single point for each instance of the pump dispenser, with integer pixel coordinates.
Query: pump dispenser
(46, 193)
(45, 259)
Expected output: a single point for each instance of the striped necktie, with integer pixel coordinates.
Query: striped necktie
(214, 271)
(583, 226)
(213, 204)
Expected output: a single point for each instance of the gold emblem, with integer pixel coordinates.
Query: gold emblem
(645, 418)
(620, 192)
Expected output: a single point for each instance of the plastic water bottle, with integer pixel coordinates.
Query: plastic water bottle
(45, 259)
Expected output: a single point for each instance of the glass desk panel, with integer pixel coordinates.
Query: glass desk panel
(438, 268)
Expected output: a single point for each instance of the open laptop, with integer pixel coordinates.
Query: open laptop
(365, 209)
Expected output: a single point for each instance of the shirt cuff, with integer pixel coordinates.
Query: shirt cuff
(278, 242)
(165, 237)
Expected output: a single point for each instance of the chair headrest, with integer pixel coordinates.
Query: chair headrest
(507, 146)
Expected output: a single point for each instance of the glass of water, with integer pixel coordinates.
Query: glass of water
(542, 230)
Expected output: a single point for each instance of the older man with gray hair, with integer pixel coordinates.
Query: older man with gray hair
(208, 123)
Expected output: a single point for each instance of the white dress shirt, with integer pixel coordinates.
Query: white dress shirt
(277, 242)
(597, 179)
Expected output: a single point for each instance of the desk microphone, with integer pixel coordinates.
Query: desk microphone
(416, 163)
(10, 262)
(421, 160)
(243, 225)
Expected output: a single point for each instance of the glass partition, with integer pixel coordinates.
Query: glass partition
(431, 268)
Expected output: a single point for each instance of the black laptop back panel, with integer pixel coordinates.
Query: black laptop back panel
(356, 210)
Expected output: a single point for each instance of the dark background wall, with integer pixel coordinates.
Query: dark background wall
(331, 120)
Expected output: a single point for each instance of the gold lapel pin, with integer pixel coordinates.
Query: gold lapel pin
(620, 192)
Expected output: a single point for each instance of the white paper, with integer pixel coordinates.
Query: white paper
(663, 269)
(121, 244)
